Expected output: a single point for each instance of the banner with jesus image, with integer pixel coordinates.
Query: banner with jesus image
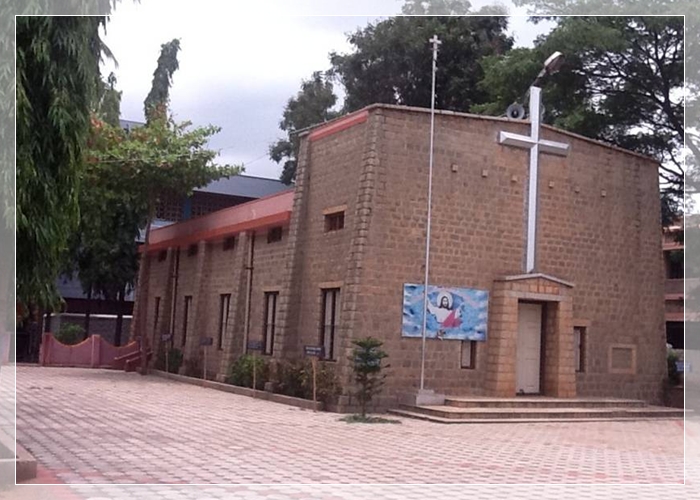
(453, 313)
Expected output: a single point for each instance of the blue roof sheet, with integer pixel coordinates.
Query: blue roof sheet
(245, 186)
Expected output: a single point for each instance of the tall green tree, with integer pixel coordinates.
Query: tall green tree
(161, 160)
(108, 105)
(313, 104)
(621, 83)
(436, 7)
(57, 78)
(158, 98)
(103, 251)
(391, 61)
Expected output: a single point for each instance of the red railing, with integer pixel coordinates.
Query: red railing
(93, 352)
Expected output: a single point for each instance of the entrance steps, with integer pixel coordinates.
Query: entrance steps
(536, 409)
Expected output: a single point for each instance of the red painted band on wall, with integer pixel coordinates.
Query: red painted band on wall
(338, 125)
(221, 232)
(264, 212)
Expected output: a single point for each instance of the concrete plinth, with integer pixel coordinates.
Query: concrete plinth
(423, 397)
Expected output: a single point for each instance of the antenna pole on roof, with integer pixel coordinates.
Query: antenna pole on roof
(435, 42)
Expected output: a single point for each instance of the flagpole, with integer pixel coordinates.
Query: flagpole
(435, 43)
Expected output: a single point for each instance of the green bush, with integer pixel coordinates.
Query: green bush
(367, 365)
(674, 377)
(241, 371)
(70, 334)
(174, 360)
(295, 378)
(290, 379)
(193, 368)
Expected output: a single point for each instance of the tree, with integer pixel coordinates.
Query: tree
(391, 61)
(621, 83)
(57, 77)
(108, 105)
(161, 160)
(449, 8)
(367, 365)
(313, 104)
(436, 7)
(159, 96)
(103, 251)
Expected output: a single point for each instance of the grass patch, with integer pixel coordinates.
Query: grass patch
(359, 419)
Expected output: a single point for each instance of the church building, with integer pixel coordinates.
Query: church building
(564, 300)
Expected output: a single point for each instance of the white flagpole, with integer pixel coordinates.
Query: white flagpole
(435, 43)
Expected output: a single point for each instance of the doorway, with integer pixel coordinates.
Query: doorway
(528, 349)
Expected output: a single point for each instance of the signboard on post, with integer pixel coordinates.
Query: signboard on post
(205, 342)
(683, 367)
(167, 337)
(254, 345)
(314, 352)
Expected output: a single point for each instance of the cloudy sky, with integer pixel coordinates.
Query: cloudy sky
(239, 64)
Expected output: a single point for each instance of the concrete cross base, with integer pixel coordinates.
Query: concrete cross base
(423, 397)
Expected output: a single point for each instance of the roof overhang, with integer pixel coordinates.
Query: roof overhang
(274, 210)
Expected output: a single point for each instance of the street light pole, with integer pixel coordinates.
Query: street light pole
(435, 43)
(550, 66)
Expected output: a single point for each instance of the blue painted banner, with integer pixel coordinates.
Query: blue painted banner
(453, 313)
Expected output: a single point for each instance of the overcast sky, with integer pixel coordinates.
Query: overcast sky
(239, 64)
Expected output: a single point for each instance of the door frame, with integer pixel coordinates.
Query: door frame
(543, 350)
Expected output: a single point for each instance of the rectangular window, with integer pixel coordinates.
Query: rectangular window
(186, 318)
(580, 348)
(330, 313)
(270, 320)
(274, 234)
(229, 243)
(224, 304)
(162, 255)
(674, 265)
(192, 250)
(468, 354)
(335, 221)
(157, 316)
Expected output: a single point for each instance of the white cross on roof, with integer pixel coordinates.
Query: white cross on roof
(535, 145)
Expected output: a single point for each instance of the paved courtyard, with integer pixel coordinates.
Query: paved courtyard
(107, 427)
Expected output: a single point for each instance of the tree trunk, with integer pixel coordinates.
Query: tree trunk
(120, 318)
(88, 309)
(34, 334)
(143, 293)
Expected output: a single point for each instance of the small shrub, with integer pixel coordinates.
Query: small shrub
(674, 377)
(327, 386)
(295, 378)
(359, 419)
(289, 379)
(193, 368)
(70, 334)
(241, 372)
(174, 360)
(367, 364)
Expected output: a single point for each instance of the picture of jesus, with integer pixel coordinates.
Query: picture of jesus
(450, 313)
(446, 315)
